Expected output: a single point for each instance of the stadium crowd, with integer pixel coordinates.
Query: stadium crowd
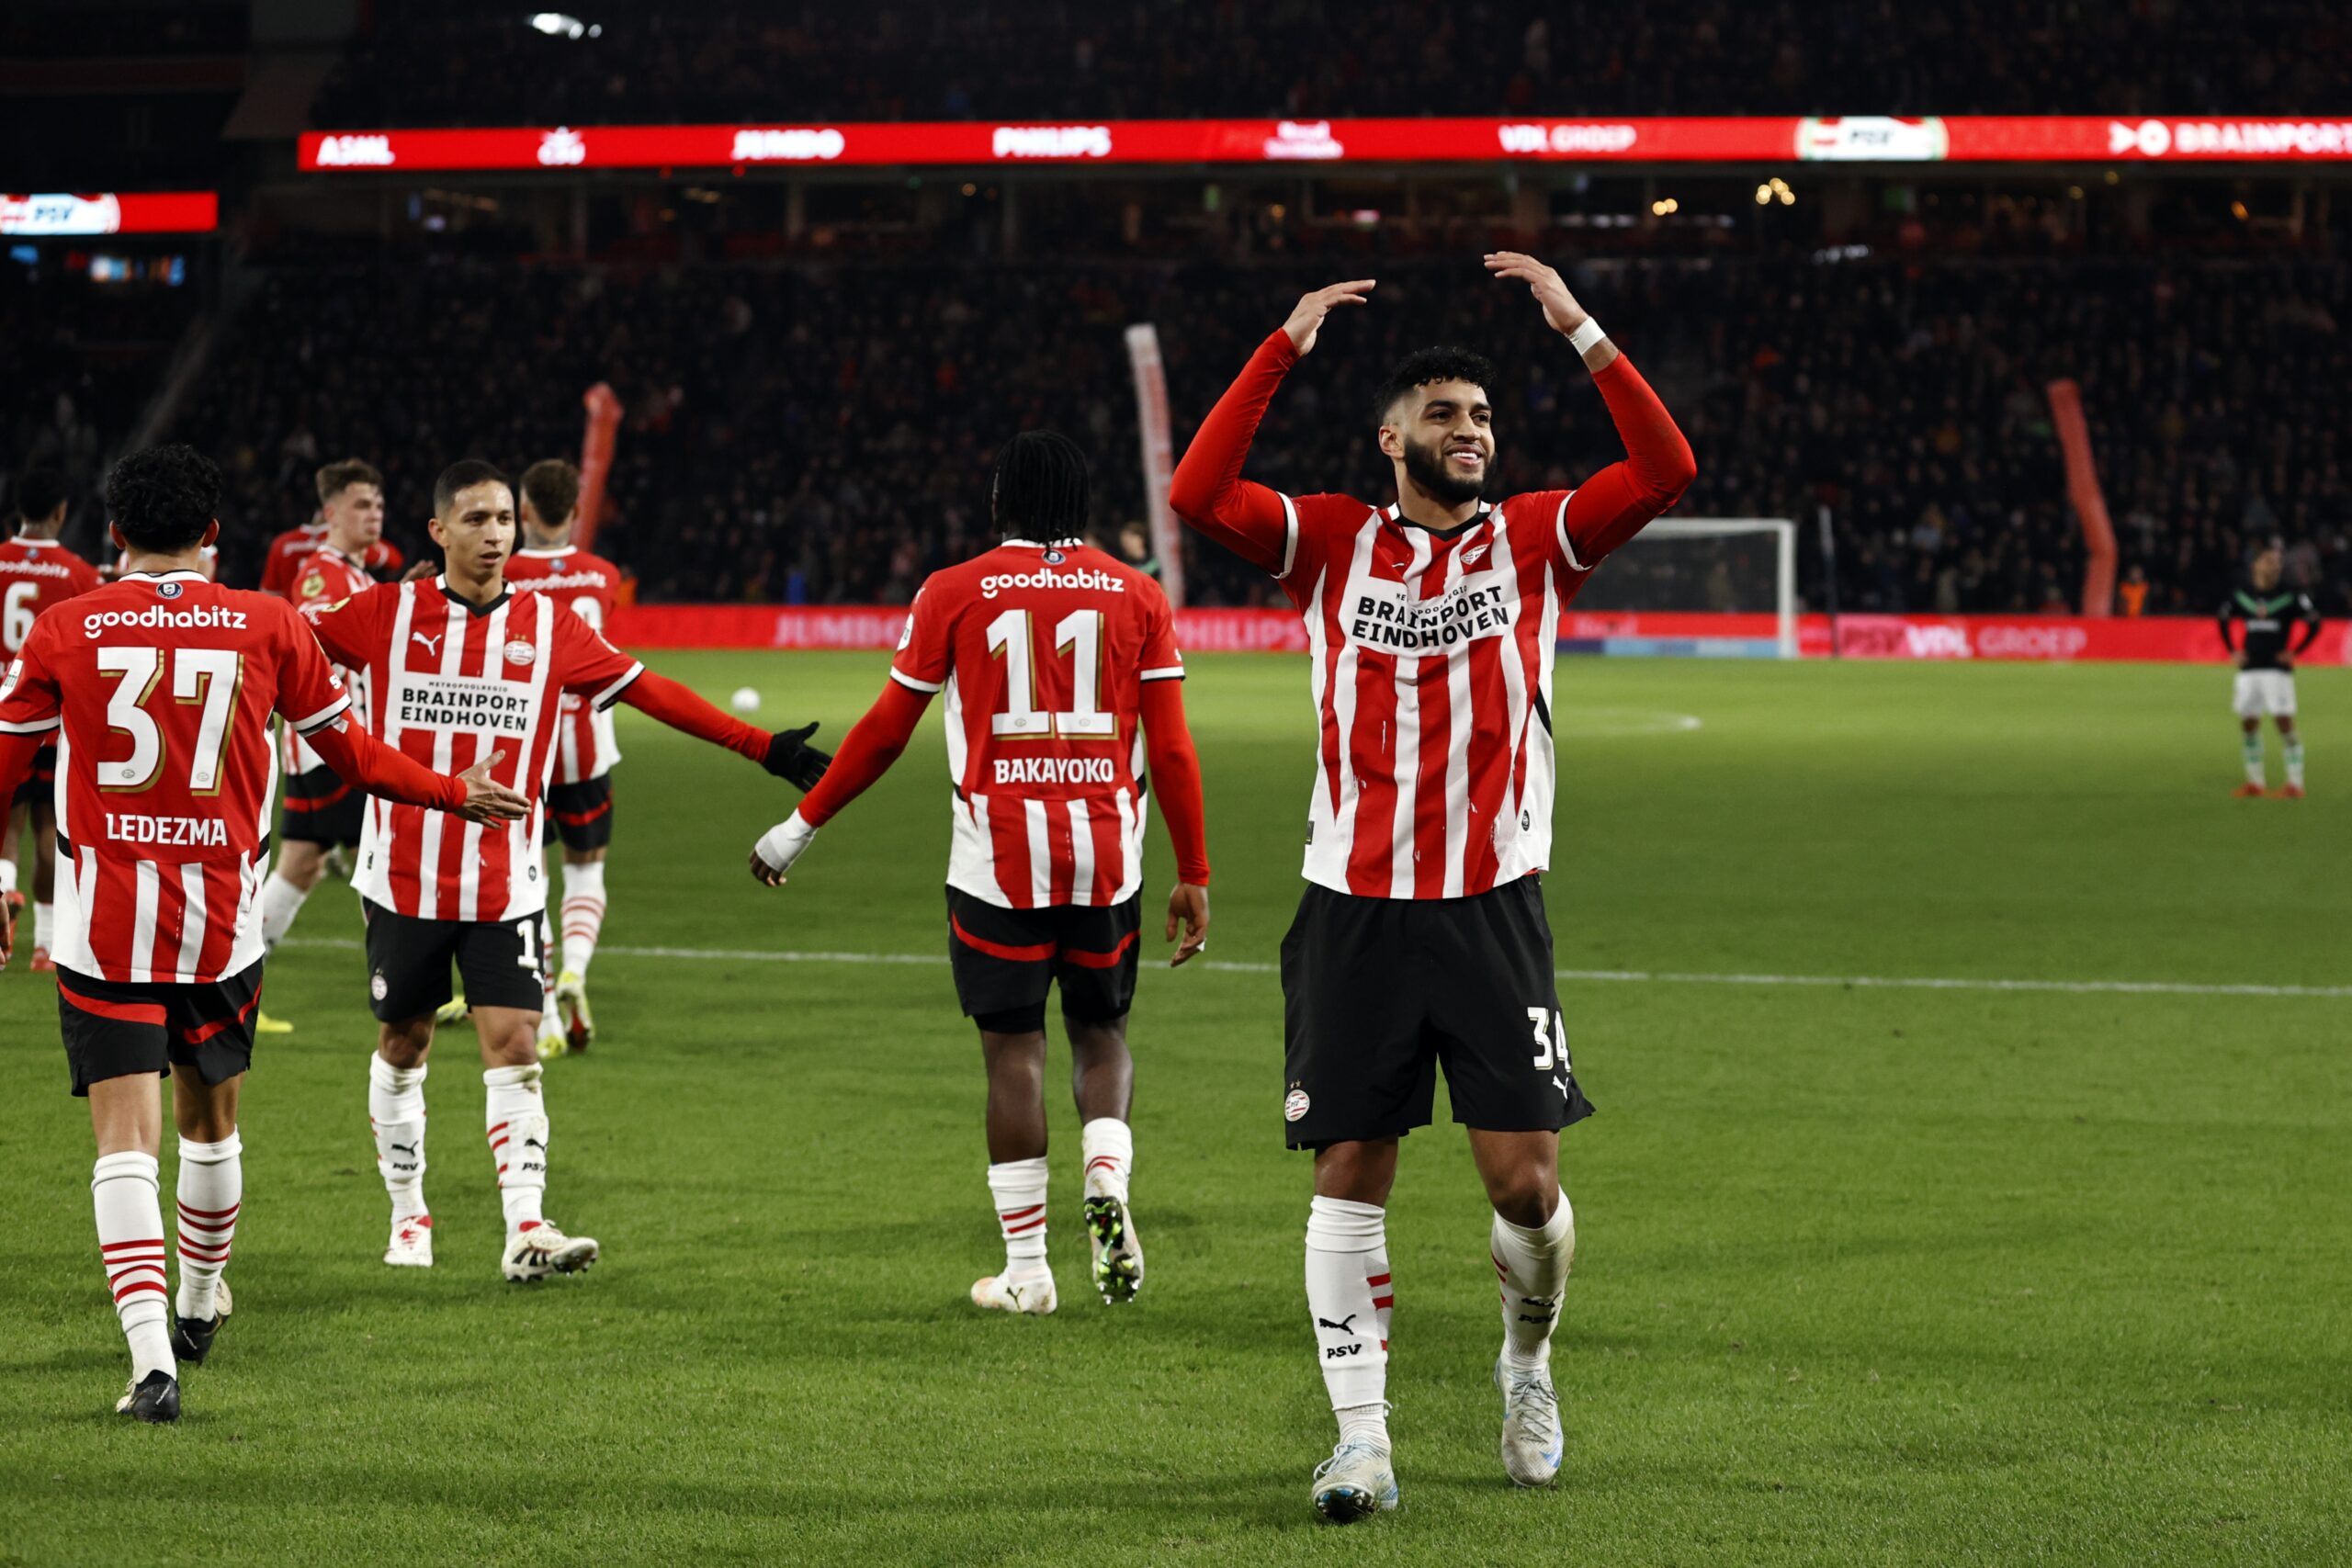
(449, 61)
(822, 434)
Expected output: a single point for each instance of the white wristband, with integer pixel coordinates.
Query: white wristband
(782, 844)
(1585, 336)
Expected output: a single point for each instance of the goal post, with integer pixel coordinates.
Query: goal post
(1718, 588)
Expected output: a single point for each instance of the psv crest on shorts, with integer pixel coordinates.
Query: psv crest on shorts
(1296, 1104)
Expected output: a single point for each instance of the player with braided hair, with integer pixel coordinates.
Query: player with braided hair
(1063, 681)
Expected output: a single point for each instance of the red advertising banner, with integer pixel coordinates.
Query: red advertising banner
(1769, 139)
(108, 212)
(2044, 639)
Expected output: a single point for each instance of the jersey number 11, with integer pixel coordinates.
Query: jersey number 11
(1079, 634)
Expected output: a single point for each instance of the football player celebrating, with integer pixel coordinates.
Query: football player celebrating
(322, 812)
(2265, 683)
(36, 571)
(1421, 939)
(579, 802)
(159, 688)
(1051, 653)
(462, 669)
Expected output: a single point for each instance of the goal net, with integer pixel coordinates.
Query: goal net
(1705, 587)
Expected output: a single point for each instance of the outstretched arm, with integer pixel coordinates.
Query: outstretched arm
(873, 744)
(1207, 490)
(1176, 779)
(2229, 631)
(787, 756)
(361, 760)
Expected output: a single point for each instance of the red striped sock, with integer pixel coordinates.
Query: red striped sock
(212, 1190)
(1018, 1188)
(123, 1190)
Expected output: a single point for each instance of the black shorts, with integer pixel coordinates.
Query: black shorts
(1005, 960)
(113, 1027)
(323, 810)
(39, 787)
(580, 814)
(1377, 992)
(409, 959)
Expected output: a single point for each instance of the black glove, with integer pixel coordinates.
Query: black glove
(792, 759)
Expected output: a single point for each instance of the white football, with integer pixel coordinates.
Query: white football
(746, 700)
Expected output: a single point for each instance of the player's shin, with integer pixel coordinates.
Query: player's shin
(1018, 1188)
(1348, 1294)
(2254, 775)
(211, 1189)
(515, 1117)
(2292, 745)
(1533, 1265)
(396, 1111)
(1108, 1148)
(584, 914)
(280, 902)
(123, 1187)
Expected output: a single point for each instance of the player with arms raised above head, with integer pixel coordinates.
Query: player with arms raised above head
(2269, 611)
(1422, 938)
(460, 668)
(322, 811)
(1052, 654)
(579, 801)
(158, 690)
(36, 571)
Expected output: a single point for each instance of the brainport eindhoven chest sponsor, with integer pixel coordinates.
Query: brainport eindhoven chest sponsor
(1386, 617)
(479, 704)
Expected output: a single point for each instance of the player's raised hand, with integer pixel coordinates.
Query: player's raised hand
(489, 802)
(1189, 903)
(1306, 317)
(1560, 307)
(421, 569)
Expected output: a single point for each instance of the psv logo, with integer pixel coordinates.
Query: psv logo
(521, 652)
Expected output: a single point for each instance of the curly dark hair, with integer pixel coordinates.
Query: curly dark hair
(1424, 366)
(163, 498)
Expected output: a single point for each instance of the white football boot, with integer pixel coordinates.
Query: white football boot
(1357, 1482)
(412, 1243)
(1530, 1425)
(1118, 1252)
(1001, 1292)
(544, 1249)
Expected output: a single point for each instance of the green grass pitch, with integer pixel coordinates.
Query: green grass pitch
(1866, 1274)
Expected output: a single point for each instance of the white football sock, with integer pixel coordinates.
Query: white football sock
(1534, 1269)
(7, 876)
(584, 914)
(516, 1118)
(211, 1189)
(396, 1111)
(280, 902)
(1019, 1189)
(1349, 1295)
(123, 1187)
(2293, 747)
(1108, 1147)
(2251, 748)
(44, 924)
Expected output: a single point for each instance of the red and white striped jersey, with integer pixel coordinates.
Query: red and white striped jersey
(586, 747)
(451, 684)
(159, 689)
(281, 564)
(35, 574)
(325, 579)
(1042, 650)
(1433, 680)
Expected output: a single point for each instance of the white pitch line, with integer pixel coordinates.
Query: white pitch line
(1601, 977)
